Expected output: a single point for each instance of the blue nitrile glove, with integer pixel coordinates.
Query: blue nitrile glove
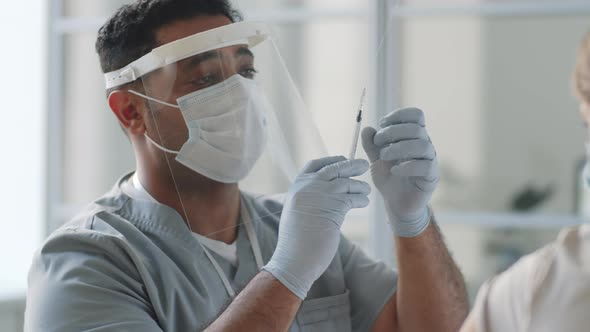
(314, 210)
(404, 168)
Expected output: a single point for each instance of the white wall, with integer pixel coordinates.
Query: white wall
(93, 142)
(441, 73)
(499, 105)
(533, 131)
(500, 111)
(22, 137)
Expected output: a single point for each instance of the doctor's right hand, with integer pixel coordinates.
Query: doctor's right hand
(314, 210)
(404, 169)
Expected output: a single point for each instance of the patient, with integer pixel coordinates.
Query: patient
(548, 290)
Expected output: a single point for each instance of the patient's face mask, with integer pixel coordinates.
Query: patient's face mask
(585, 112)
(226, 129)
(587, 167)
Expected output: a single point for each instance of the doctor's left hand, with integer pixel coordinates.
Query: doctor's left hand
(404, 168)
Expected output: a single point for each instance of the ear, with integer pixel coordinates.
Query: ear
(126, 107)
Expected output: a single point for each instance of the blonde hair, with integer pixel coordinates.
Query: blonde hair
(582, 71)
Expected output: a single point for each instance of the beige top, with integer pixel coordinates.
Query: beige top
(548, 290)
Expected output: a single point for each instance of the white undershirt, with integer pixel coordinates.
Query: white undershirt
(135, 190)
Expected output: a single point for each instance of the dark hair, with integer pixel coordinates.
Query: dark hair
(131, 32)
(582, 71)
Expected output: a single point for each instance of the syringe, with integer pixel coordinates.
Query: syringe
(357, 130)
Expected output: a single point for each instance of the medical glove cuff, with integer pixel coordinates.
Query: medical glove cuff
(300, 289)
(409, 227)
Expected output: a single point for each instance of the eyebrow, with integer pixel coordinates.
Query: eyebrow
(242, 51)
(197, 59)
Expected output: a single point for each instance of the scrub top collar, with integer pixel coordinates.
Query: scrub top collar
(150, 216)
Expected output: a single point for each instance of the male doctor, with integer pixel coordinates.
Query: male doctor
(177, 246)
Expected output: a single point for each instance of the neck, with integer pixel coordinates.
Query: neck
(209, 208)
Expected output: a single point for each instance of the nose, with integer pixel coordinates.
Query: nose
(229, 64)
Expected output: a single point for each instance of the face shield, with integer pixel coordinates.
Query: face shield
(223, 105)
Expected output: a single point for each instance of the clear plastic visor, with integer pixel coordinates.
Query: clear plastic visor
(234, 115)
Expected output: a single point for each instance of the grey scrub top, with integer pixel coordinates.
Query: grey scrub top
(131, 265)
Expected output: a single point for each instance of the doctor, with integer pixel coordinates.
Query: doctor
(177, 246)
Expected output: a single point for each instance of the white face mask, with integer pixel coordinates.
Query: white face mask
(586, 173)
(226, 129)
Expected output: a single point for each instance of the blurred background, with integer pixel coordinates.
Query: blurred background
(492, 76)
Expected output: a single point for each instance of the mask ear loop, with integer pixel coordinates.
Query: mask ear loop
(151, 110)
(153, 99)
(159, 146)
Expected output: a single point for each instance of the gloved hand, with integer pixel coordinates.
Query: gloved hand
(314, 210)
(404, 168)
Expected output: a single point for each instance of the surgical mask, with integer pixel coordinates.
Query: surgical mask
(226, 129)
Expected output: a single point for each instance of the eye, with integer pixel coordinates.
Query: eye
(205, 79)
(249, 73)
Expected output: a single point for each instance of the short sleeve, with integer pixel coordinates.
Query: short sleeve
(504, 302)
(82, 281)
(545, 291)
(371, 285)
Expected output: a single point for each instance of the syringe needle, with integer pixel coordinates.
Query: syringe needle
(357, 129)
